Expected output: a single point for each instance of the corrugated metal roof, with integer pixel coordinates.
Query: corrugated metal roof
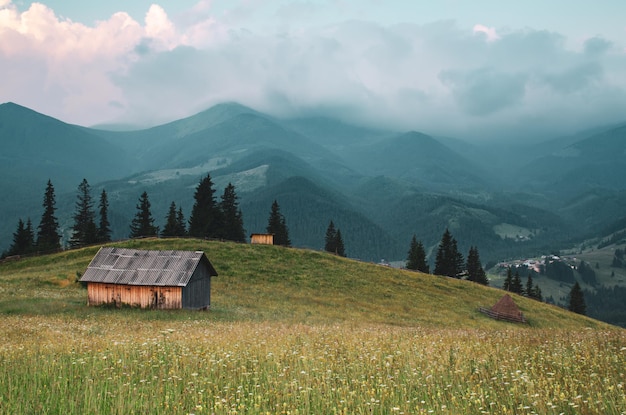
(136, 267)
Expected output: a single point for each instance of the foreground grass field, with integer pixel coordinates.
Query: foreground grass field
(293, 331)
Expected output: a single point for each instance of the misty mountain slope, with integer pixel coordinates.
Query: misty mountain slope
(143, 145)
(278, 165)
(36, 147)
(334, 134)
(403, 212)
(227, 141)
(308, 209)
(419, 158)
(596, 162)
(594, 209)
(137, 139)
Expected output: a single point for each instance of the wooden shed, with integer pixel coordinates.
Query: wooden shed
(149, 279)
(262, 238)
(505, 309)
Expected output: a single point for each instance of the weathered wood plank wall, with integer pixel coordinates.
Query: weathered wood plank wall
(134, 295)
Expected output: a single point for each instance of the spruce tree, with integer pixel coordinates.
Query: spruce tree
(277, 225)
(458, 262)
(340, 250)
(171, 223)
(516, 284)
(104, 227)
(23, 239)
(330, 240)
(143, 223)
(84, 231)
(577, 300)
(30, 237)
(448, 261)
(416, 257)
(204, 221)
(530, 288)
(442, 258)
(181, 229)
(475, 271)
(508, 281)
(232, 219)
(48, 236)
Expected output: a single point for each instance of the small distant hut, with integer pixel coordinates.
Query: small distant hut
(262, 238)
(149, 279)
(505, 309)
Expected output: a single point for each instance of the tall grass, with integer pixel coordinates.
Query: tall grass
(56, 365)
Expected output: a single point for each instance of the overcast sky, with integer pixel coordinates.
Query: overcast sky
(469, 69)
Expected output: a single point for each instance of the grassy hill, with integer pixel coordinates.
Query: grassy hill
(296, 331)
(271, 283)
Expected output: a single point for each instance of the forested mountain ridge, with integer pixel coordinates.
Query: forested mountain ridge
(384, 186)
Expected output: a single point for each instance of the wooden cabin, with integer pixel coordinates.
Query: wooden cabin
(149, 279)
(262, 238)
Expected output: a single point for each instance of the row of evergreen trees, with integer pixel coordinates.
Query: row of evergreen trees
(513, 283)
(84, 232)
(209, 219)
(448, 260)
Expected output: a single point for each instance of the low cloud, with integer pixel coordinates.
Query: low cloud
(438, 78)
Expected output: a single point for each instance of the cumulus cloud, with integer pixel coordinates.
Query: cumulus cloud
(438, 78)
(489, 32)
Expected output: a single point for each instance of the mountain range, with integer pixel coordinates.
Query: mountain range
(379, 187)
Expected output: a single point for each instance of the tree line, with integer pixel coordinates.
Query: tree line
(85, 230)
(448, 260)
(210, 219)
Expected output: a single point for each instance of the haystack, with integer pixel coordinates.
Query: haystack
(505, 309)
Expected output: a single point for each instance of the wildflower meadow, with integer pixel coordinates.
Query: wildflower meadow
(54, 366)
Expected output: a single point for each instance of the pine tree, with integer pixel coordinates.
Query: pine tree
(442, 258)
(143, 223)
(448, 261)
(516, 284)
(577, 300)
(232, 219)
(171, 223)
(104, 227)
(537, 293)
(340, 249)
(457, 260)
(330, 240)
(181, 229)
(48, 237)
(416, 257)
(30, 237)
(530, 289)
(475, 271)
(508, 281)
(277, 226)
(23, 239)
(84, 231)
(204, 221)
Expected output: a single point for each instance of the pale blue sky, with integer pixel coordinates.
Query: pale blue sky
(571, 17)
(472, 68)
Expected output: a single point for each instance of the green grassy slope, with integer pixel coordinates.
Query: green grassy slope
(270, 283)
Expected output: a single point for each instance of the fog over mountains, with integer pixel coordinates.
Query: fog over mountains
(379, 187)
